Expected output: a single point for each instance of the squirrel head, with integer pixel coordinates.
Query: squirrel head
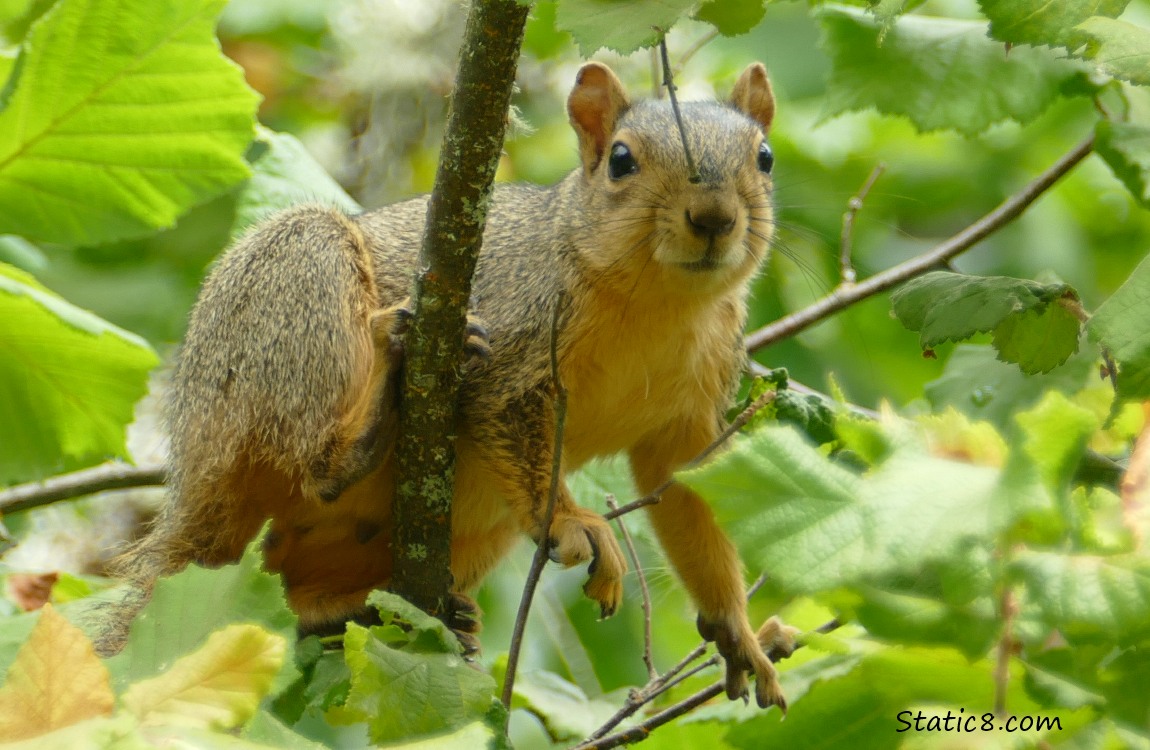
(655, 225)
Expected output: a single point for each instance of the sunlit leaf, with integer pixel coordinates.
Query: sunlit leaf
(1041, 22)
(187, 607)
(217, 687)
(1118, 47)
(56, 681)
(124, 116)
(68, 382)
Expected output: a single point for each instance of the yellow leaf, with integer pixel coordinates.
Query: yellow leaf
(55, 681)
(217, 687)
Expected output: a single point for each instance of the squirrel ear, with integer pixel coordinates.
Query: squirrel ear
(752, 95)
(594, 107)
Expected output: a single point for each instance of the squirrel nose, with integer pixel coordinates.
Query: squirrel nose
(712, 220)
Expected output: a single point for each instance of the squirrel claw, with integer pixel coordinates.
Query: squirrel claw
(476, 345)
(461, 616)
(743, 651)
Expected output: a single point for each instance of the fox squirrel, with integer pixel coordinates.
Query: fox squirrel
(283, 399)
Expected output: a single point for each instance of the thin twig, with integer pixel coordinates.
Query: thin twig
(845, 296)
(643, 730)
(701, 42)
(643, 590)
(541, 552)
(114, 476)
(1008, 609)
(644, 695)
(854, 205)
(669, 81)
(656, 87)
(735, 426)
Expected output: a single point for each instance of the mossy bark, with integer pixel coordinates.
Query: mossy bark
(456, 215)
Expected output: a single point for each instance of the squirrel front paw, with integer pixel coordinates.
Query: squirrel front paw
(391, 324)
(579, 535)
(744, 651)
(476, 344)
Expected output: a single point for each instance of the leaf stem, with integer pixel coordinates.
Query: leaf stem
(669, 81)
(854, 205)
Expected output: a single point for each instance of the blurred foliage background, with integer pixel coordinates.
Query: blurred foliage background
(364, 85)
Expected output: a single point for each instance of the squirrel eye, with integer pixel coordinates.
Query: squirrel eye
(766, 158)
(621, 163)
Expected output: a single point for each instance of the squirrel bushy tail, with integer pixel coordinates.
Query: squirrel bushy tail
(276, 395)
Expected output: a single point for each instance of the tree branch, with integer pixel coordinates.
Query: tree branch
(846, 295)
(114, 476)
(660, 683)
(456, 215)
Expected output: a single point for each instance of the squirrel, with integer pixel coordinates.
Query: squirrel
(284, 397)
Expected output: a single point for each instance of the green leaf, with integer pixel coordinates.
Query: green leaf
(125, 115)
(810, 413)
(816, 526)
(940, 73)
(405, 695)
(620, 26)
(1117, 47)
(944, 306)
(284, 174)
(563, 708)
(1125, 147)
(984, 388)
(69, 382)
(187, 607)
(886, 12)
(1041, 22)
(1089, 598)
(1055, 434)
(732, 17)
(1038, 340)
(1122, 324)
(421, 630)
(912, 611)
